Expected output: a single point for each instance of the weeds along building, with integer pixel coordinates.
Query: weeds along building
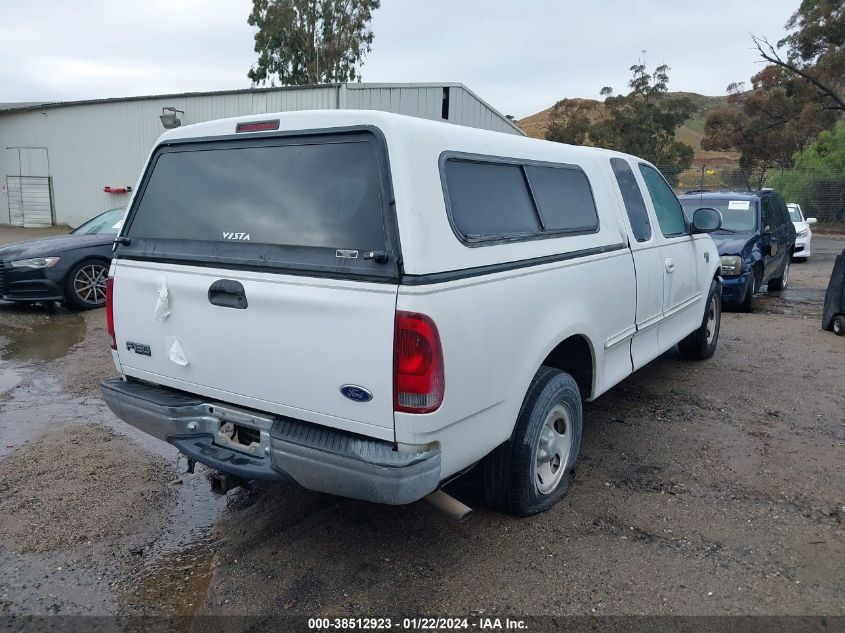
(64, 162)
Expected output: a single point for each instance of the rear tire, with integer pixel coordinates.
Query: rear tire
(85, 285)
(838, 326)
(533, 470)
(776, 285)
(701, 344)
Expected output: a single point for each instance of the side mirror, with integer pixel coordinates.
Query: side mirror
(811, 220)
(706, 220)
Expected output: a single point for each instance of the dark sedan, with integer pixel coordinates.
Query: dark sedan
(70, 268)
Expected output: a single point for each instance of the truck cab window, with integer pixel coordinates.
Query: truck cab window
(670, 214)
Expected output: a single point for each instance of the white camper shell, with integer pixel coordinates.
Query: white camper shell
(370, 304)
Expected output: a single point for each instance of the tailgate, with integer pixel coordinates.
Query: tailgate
(262, 270)
(298, 341)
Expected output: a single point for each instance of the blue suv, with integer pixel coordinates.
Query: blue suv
(755, 243)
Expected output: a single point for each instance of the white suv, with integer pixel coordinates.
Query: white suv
(370, 304)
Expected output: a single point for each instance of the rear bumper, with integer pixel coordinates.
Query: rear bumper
(316, 457)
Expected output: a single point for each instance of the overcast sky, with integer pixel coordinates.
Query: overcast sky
(519, 56)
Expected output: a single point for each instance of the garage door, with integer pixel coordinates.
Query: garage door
(30, 200)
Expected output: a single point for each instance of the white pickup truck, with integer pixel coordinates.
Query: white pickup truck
(371, 304)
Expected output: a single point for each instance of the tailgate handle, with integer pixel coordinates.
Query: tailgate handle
(227, 293)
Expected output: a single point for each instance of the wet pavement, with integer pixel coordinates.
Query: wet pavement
(34, 405)
(710, 488)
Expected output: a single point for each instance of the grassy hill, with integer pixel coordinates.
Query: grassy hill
(690, 133)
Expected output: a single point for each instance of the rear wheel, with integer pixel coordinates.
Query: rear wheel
(85, 286)
(701, 344)
(780, 283)
(532, 471)
(839, 325)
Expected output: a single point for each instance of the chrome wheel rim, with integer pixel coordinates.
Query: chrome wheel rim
(710, 326)
(785, 277)
(553, 449)
(89, 283)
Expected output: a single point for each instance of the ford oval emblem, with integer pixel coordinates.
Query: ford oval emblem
(356, 393)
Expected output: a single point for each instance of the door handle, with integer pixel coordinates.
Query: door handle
(669, 264)
(227, 293)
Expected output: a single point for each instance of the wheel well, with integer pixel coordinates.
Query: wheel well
(574, 356)
(92, 258)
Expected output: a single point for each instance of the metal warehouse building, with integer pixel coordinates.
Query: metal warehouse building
(62, 163)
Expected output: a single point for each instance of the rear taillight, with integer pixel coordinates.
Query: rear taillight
(418, 381)
(110, 310)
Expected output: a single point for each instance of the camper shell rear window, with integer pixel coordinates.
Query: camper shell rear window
(297, 203)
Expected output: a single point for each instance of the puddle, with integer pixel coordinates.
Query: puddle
(9, 379)
(41, 335)
(801, 302)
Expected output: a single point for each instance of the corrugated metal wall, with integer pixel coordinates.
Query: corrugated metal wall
(92, 145)
(467, 108)
(420, 101)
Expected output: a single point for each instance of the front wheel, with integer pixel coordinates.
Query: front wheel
(533, 470)
(747, 302)
(839, 325)
(85, 287)
(701, 344)
(776, 285)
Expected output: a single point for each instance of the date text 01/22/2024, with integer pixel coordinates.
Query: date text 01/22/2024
(416, 624)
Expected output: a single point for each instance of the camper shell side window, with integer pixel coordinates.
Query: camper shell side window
(494, 200)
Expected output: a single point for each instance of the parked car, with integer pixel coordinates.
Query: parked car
(70, 268)
(370, 304)
(803, 234)
(756, 241)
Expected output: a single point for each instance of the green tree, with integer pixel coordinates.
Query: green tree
(569, 122)
(817, 180)
(815, 50)
(310, 41)
(767, 125)
(642, 122)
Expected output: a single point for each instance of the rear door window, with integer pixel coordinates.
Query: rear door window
(783, 212)
(633, 199)
(305, 201)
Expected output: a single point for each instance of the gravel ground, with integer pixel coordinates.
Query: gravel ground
(703, 488)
